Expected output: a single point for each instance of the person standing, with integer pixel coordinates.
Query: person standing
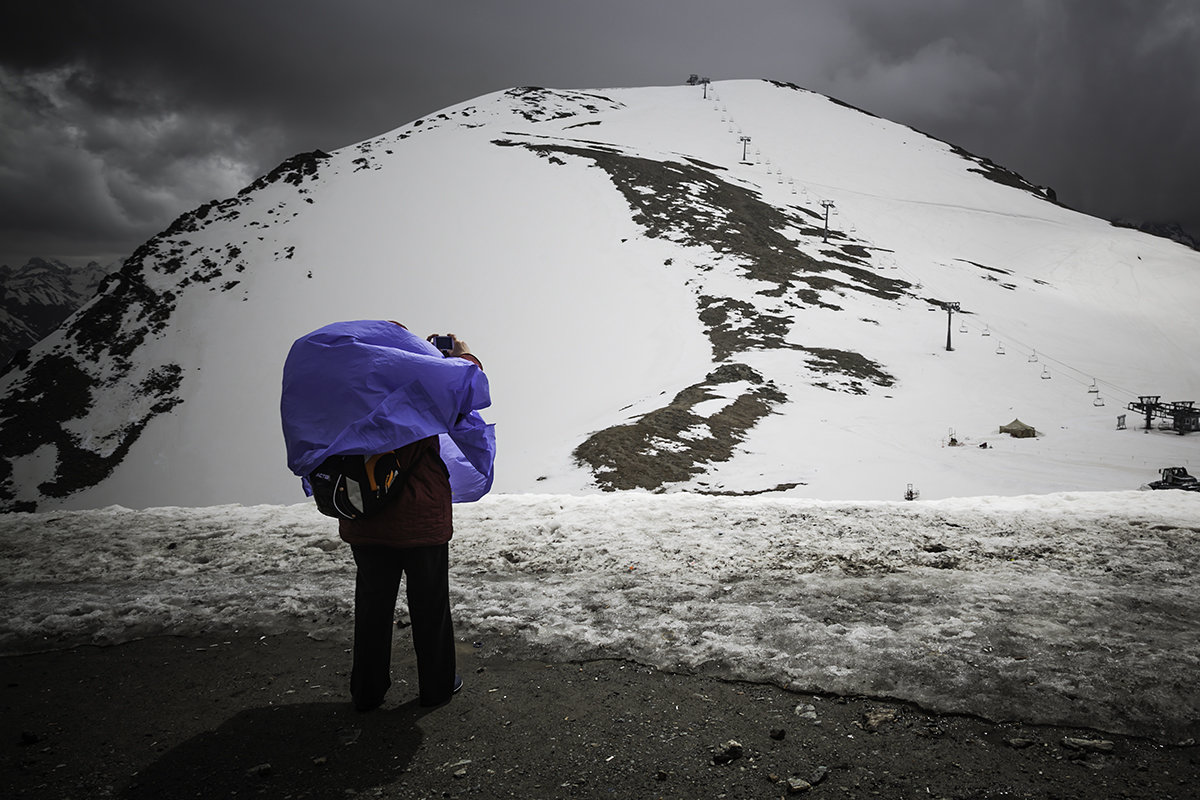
(371, 387)
(410, 538)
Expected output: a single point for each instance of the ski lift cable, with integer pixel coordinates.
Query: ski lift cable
(971, 321)
(1082, 377)
(1085, 377)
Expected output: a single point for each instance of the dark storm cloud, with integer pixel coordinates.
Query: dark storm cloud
(1099, 98)
(115, 117)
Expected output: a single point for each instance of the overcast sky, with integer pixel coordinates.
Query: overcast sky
(117, 116)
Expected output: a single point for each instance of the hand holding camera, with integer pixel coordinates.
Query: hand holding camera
(449, 344)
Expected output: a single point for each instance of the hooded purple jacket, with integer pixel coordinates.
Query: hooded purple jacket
(371, 386)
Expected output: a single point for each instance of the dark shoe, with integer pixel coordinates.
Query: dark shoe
(368, 705)
(458, 684)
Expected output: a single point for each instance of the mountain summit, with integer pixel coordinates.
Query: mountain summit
(737, 288)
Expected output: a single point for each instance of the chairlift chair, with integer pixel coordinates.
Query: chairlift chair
(1032, 357)
(1098, 402)
(1093, 389)
(986, 332)
(1045, 373)
(1000, 349)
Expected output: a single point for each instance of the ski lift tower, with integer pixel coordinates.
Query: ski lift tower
(827, 204)
(1183, 414)
(1147, 404)
(950, 309)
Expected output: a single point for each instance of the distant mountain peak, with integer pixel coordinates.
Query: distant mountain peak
(39, 296)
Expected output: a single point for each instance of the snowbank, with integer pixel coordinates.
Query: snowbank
(1075, 608)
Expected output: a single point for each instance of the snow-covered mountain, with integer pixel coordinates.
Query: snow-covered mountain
(36, 298)
(660, 304)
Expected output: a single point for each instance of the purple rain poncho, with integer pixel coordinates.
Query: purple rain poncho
(370, 386)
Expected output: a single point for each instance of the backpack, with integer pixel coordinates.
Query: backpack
(355, 486)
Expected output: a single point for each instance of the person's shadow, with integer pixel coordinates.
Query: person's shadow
(304, 750)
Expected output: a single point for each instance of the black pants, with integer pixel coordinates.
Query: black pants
(428, 589)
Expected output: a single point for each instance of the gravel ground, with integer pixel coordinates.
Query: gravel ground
(245, 715)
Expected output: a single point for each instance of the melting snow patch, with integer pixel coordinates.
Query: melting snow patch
(1073, 609)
